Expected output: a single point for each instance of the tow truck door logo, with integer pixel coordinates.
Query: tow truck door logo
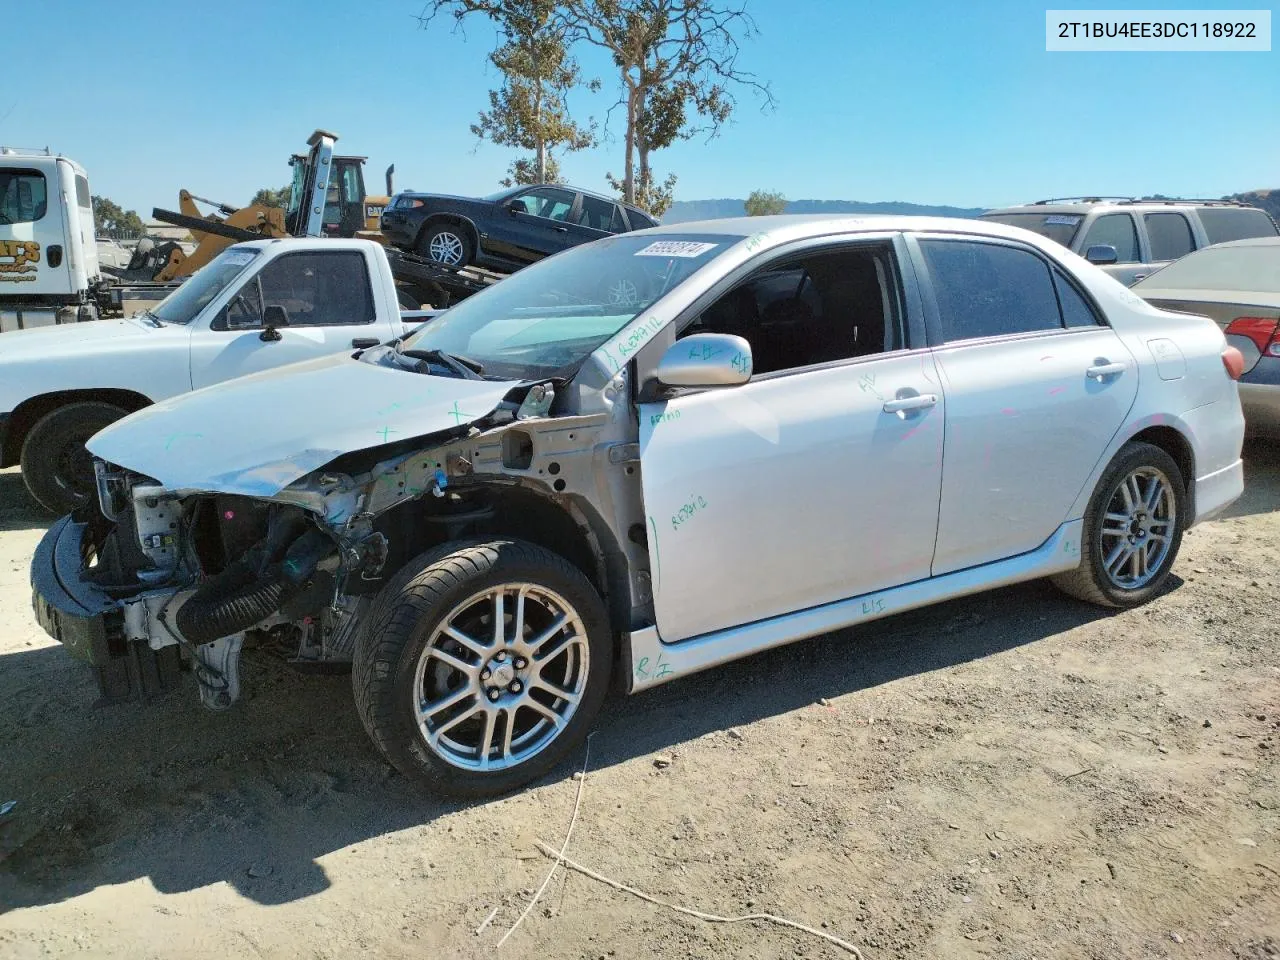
(18, 259)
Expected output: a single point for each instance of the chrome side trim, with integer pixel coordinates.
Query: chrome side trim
(654, 662)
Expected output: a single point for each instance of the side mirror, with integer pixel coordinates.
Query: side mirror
(273, 317)
(706, 360)
(517, 206)
(1101, 254)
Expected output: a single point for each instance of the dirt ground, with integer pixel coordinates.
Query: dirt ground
(1012, 775)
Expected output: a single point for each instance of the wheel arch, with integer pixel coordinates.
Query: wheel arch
(1176, 445)
(457, 220)
(28, 413)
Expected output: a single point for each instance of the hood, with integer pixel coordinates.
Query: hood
(257, 434)
(76, 338)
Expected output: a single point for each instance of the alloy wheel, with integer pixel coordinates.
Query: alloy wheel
(1137, 528)
(446, 248)
(501, 677)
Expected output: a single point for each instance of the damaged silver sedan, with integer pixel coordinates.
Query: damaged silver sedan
(642, 458)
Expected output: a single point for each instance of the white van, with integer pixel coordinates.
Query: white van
(48, 253)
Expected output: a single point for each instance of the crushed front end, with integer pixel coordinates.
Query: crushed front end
(147, 584)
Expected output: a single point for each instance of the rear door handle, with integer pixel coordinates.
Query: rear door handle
(562, 229)
(1100, 371)
(363, 343)
(920, 401)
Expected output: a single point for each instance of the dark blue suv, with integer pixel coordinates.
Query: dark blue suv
(506, 230)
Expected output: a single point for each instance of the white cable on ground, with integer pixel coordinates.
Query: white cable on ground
(710, 917)
(582, 782)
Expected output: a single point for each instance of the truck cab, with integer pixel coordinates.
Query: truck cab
(48, 252)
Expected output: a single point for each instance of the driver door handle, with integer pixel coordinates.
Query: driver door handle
(921, 401)
(362, 343)
(1100, 371)
(562, 229)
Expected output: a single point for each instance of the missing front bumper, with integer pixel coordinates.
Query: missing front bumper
(89, 622)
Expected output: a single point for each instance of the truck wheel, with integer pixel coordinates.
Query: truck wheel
(484, 663)
(445, 243)
(1132, 530)
(56, 467)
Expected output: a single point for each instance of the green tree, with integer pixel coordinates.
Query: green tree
(763, 203)
(273, 198)
(109, 217)
(530, 110)
(524, 171)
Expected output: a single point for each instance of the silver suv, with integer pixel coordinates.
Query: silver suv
(1131, 238)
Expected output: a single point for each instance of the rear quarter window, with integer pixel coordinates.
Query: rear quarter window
(83, 200)
(1223, 224)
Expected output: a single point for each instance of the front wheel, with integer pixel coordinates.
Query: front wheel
(1132, 530)
(446, 244)
(484, 664)
(56, 467)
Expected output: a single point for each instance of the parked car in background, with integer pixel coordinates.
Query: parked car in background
(508, 229)
(1131, 238)
(1238, 285)
(796, 424)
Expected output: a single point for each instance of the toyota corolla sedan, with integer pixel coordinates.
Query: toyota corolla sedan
(646, 457)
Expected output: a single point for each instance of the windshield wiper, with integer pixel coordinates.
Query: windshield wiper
(464, 367)
(152, 317)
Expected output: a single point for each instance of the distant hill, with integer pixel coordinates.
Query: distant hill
(1268, 200)
(683, 211)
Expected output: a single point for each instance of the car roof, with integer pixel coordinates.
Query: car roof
(1086, 204)
(792, 226)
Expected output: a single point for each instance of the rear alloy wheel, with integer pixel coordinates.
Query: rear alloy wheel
(1132, 530)
(445, 244)
(56, 467)
(483, 665)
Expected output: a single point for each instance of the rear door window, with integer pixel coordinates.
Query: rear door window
(24, 196)
(990, 290)
(1116, 230)
(595, 213)
(618, 223)
(1169, 235)
(1222, 224)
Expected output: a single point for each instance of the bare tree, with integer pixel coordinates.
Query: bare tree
(677, 63)
(530, 110)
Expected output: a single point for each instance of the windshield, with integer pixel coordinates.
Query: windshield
(1056, 226)
(1252, 269)
(502, 194)
(195, 294)
(548, 318)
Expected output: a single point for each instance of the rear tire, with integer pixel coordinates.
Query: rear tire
(1132, 530)
(446, 243)
(457, 709)
(56, 467)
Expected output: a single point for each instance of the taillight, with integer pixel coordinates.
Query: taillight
(1233, 360)
(1263, 331)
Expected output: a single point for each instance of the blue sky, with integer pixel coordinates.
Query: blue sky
(931, 101)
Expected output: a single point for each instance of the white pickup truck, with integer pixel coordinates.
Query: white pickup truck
(257, 306)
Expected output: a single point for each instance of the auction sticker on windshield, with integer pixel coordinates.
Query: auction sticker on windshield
(675, 248)
(1062, 221)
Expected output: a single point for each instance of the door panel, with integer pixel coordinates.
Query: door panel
(1025, 426)
(542, 231)
(790, 491)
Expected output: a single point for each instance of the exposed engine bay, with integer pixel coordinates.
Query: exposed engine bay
(194, 576)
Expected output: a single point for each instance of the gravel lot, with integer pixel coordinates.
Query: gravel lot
(1012, 775)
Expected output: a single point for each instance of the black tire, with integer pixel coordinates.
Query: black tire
(432, 231)
(404, 618)
(56, 467)
(1091, 581)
